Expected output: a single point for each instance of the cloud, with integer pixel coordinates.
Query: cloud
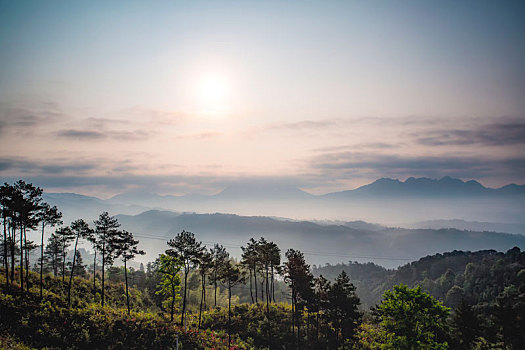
(371, 145)
(504, 132)
(80, 134)
(25, 166)
(122, 135)
(26, 117)
(342, 164)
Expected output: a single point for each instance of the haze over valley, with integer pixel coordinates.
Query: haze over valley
(389, 222)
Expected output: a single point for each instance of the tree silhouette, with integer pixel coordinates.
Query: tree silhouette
(105, 232)
(52, 253)
(5, 203)
(205, 265)
(249, 259)
(80, 267)
(466, 324)
(26, 201)
(231, 275)
(9, 196)
(169, 268)
(187, 249)
(80, 229)
(219, 256)
(66, 236)
(300, 279)
(126, 247)
(48, 216)
(342, 307)
(321, 288)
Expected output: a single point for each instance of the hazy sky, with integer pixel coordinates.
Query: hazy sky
(189, 96)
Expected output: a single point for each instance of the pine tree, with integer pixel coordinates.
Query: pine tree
(48, 216)
(105, 233)
(343, 308)
(169, 285)
(80, 229)
(205, 265)
(249, 260)
(467, 325)
(219, 256)
(231, 275)
(52, 253)
(300, 279)
(66, 236)
(187, 249)
(80, 268)
(126, 248)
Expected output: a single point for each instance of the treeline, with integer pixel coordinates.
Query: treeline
(485, 289)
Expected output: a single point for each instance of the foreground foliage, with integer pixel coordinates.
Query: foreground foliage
(50, 323)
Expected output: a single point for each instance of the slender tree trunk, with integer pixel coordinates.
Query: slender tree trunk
(126, 278)
(272, 285)
(229, 313)
(215, 285)
(172, 297)
(21, 260)
(94, 273)
(186, 271)
(268, 310)
(202, 298)
(293, 313)
(262, 290)
(251, 287)
(13, 243)
(6, 262)
(103, 268)
(255, 282)
(27, 259)
(204, 293)
(42, 261)
(63, 260)
(55, 261)
(71, 275)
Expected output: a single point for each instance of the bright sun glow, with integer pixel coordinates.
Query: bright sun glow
(213, 95)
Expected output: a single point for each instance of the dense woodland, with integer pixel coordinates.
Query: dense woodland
(203, 298)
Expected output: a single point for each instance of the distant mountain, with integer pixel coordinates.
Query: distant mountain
(75, 206)
(262, 190)
(385, 201)
(389, 247)
(425, 187)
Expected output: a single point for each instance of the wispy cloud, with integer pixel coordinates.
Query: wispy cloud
(506, 131)
(80, 134)
(344, 163)
(44, 168)
(28, 118)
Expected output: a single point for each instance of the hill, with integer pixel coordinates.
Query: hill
(321, 243)
(477, 277)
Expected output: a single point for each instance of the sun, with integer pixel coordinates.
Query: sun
(214, 94)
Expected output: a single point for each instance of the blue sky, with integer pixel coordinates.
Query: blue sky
(188, 96)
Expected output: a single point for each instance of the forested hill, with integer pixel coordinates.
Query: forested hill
(478, 277)
(321, 242)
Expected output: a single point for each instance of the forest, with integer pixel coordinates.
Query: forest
(195, 297)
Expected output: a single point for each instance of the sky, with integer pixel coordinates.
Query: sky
(177, 97)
